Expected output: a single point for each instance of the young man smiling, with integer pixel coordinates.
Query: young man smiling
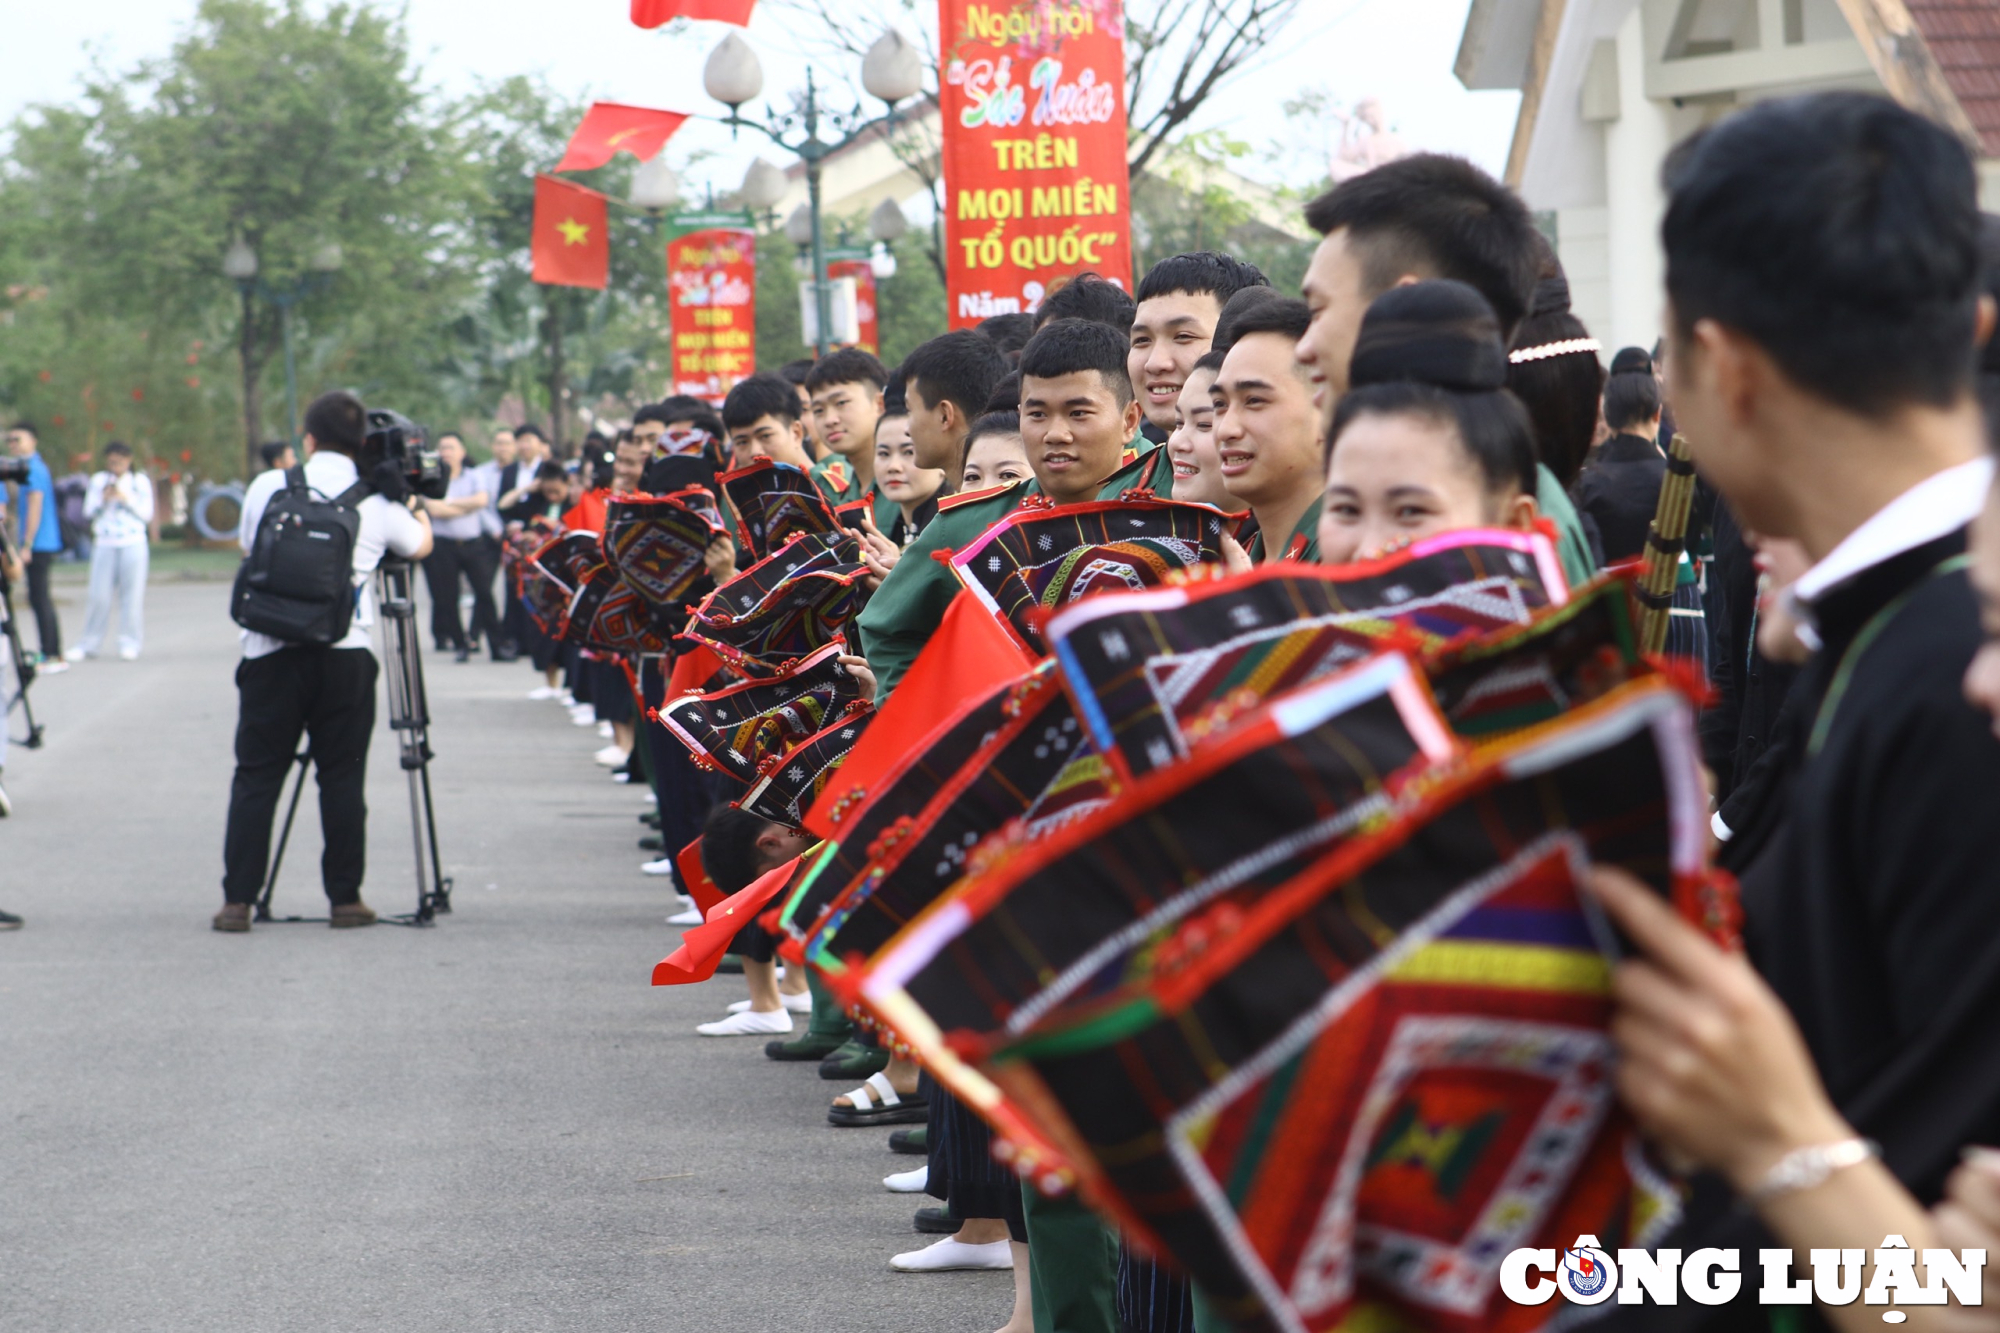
(1267, 431)
(1078, 371)
(1077, 408)
(846, 391)
(1180, 299)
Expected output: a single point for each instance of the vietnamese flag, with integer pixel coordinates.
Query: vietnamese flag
(652, 13)
(611, 127)
(571, 242)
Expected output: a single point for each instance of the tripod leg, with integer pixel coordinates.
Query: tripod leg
(424, 912)
(263, 912)
(440, 886)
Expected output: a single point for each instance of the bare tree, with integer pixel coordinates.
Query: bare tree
(1177, 54)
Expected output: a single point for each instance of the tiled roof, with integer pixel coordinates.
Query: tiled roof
(1964, 39)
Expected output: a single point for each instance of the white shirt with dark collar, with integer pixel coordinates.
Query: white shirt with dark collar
(1939, 504)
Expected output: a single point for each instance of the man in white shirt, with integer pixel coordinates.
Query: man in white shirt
(119, 506)
(324, 691)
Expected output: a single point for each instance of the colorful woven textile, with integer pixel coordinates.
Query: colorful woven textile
(554, 574)
(1040, 559)
(1155, 671)
(917, 858)
(791, 786)
(656, 544)
(1380, 1160)
(1235, 999)
(739, 728)
(1051, 918)
(1522, 675)
(772, 503)
(788, 605)
(900, 794)
(608, 614)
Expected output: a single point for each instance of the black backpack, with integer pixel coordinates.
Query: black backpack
(297, 583)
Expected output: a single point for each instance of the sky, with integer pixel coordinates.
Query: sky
(1398, 51)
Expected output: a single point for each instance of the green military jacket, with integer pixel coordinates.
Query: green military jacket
(1302, 545)
(907, 609)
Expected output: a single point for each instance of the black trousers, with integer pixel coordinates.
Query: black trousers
(328, 694)
(48, 629)
(474, 559)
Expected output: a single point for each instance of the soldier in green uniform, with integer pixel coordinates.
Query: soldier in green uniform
(761, 415)
(846, 391)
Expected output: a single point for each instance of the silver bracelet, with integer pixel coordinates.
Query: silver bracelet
(1803, 1168)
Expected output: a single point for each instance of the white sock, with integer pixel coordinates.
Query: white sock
(951, 1254)
(749, 1023)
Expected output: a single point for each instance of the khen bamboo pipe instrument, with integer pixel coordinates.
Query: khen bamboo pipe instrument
(1664, 544)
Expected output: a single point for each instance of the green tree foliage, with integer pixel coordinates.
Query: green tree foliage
(294, 125)
(285, 128)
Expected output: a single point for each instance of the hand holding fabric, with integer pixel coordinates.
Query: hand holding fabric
(1712, 1064)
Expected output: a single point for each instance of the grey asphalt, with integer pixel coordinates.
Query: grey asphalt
(493, 1124)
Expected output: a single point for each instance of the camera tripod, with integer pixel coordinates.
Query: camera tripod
(24, 670)
(409, 718)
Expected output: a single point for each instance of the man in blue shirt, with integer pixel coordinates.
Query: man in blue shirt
(38, 532)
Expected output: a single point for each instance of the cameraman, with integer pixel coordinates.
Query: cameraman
(324, 691)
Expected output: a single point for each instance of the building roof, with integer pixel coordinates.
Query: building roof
(1964, 39)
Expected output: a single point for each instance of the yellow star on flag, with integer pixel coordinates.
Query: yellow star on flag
(574, 232)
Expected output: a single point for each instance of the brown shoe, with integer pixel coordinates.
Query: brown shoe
(348, 915)
(234, 918)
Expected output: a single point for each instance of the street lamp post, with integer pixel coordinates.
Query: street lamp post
(240, 265)
(892, 71)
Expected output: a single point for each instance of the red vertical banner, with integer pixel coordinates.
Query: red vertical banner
(712, 294)
(866, 312)
(1035, 180)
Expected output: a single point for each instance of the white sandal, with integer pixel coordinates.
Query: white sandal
(876, 1102)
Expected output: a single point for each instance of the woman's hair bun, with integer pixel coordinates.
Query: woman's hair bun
(1440, 332)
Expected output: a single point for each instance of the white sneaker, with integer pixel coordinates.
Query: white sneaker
(612, 757)
(583, 715)
(544, 692)
(128, 654)
(564, 697)
(908, 1182)
(76, 655)
(604, 730)
(952, 1255)
(51, 668)
(794, 1004)
(663, 866)
(751, 1024)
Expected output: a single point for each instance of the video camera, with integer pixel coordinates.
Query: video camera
(394, 438)
(14, 469)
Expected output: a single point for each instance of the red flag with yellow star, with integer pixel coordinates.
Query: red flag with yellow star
(571, 241)
(609, 127)
(652, 13)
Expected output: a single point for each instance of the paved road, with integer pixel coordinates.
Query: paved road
(496, 1124)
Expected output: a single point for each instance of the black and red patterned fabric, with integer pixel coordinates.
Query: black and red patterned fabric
(1156, 671)
(1041, 558)
(788, 605)
(793, 784)
(740, 728)
(773, 502)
